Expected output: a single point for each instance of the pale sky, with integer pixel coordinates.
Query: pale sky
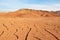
(12, 5)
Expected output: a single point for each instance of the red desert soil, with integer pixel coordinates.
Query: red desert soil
(27, 25)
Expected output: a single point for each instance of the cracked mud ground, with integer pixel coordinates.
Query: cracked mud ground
(30, 28)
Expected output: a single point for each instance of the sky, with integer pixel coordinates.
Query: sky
(13, 5)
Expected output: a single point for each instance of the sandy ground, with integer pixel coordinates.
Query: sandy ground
(44, 28)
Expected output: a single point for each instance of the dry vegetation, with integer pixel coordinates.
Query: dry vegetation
(27, 25)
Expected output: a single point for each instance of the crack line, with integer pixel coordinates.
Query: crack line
(37, 38)
(5, 26)
(2, 33)
(27, 34)
(52, 34)
(16, 34)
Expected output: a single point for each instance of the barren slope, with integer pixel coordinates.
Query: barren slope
(44, 28)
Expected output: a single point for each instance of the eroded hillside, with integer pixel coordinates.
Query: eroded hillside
(29, 13)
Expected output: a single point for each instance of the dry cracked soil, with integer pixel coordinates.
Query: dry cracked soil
(44, 28)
